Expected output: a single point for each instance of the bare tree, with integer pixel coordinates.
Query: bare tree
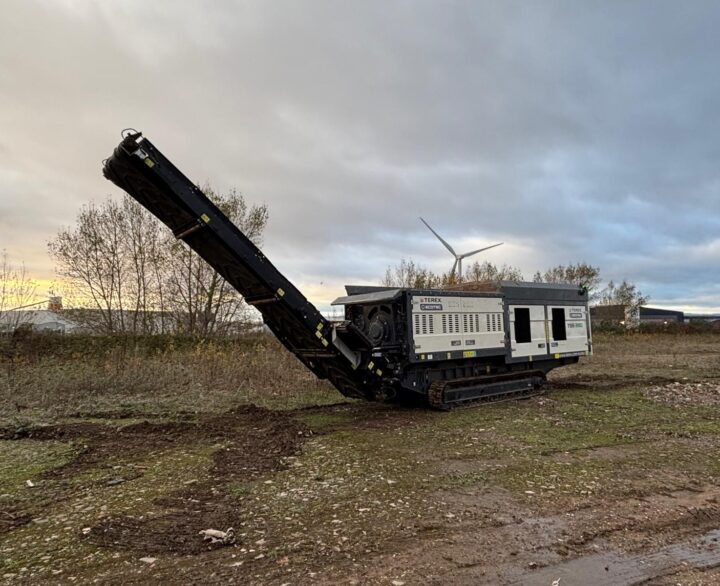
(582, 274)
(91, 257)
(132, 276)
(146, 255)
(487, 271)
(17, 289)
(201, 301)
(629, 296)
(410, 274)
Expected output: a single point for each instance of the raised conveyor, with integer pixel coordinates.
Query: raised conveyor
(141, 170)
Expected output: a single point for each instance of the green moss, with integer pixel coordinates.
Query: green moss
(239, 490)
(23, 460)
(163, 472)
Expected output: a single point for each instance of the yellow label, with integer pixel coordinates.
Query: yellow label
(324, 342)
(469, 354)
(319, 335)
(205, 218)
(149, 162)
(371, 365)
(320, 326)
(557, 355)
(280, 292)
(378, 372)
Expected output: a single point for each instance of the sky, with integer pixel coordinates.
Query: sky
(572, 131)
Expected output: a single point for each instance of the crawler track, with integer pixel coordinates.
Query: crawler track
(451, 394)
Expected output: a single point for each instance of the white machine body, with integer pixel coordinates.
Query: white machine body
(442, 326)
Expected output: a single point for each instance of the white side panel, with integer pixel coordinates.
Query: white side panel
(451, 324)
(576, 334)
(537, 345)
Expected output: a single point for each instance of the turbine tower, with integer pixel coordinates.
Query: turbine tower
(458, 257)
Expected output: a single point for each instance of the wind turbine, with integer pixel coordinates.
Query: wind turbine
(458, 257)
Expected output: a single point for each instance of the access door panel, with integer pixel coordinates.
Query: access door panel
(567, 329)
(527, 331)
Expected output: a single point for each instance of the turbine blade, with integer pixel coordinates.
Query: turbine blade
(439, 237)
(480, 250)
(452, 270)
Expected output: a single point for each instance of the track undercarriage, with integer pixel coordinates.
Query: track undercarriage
(465, 392)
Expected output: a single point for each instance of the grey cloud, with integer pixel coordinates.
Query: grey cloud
(572, 131)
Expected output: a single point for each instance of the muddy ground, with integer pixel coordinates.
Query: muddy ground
(611, 477)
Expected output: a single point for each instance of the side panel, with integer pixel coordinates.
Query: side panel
(535, 343)
(445, 324)
(573, 337)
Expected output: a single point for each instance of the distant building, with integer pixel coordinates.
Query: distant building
(713, 320)
(608, 315)
(39, 320)
(613, 315)
(52, 319)
(654, 315)
(95, 321)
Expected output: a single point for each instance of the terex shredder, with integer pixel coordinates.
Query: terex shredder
(445, 347)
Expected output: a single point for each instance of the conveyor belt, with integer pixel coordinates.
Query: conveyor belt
(141, 170)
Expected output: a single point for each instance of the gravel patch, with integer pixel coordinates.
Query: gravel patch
(696, 394)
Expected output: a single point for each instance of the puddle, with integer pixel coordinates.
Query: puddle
(615, 569)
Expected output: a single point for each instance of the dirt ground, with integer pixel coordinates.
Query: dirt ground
(610, 477)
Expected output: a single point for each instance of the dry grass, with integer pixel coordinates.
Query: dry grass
(629, 358)
(125, 379)
(48, 379)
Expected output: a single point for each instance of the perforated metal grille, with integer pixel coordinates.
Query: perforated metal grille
(455, 323)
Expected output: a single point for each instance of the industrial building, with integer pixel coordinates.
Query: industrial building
(612, 315)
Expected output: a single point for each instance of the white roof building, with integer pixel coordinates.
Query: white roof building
(41, 320)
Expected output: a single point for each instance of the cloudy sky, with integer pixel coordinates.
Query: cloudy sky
(572, 131)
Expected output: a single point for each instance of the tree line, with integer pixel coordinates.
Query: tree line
(408, 273)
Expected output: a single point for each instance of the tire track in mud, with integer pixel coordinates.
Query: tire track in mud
(657, 532)
(618, 569)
